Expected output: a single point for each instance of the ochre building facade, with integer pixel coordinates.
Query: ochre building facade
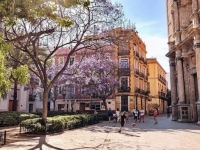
(132, 72)
(184, 53)
(158, 85)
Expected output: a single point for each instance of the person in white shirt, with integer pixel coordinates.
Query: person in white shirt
(117, 113)
(136, 115)
(142, 114)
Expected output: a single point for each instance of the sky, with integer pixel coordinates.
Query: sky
(150, 19)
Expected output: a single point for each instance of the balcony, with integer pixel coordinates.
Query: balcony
(141, 74)
(147, 92)
(145, 77)
(123, 52)
(162, 79)
(124, 71)
(70, 96)
(124, 89)
(136, 54)
(142, 91)
(137, 72)
(141, 58)
(32, 97)
(137, 90)
(162, 95)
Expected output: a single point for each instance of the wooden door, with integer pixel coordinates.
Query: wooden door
(82, 107)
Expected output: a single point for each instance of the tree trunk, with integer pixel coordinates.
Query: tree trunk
(45, 101)
(105, 104)
(14, 106)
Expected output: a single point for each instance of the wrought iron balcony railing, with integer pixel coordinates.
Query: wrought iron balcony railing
(136, 54)
(32, 97)
(137, 90)
(137, 72)
(123, 52)
(124, 71)
(124, 89)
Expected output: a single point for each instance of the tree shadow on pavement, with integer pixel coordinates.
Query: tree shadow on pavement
(42, 142)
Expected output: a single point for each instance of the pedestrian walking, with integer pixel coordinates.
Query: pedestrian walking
(168, 112)
(155, 113)
(123, 121)
(117, 113)
(142, 115)
(136, 115)
(133, 111)
(109, 113)
(115, 118)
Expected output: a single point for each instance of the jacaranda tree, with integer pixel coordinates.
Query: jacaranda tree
(97, 76)
(54, 24)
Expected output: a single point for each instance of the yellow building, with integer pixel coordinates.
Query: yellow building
(158, 85)
(132, 72)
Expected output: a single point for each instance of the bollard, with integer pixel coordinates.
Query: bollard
(4, 137)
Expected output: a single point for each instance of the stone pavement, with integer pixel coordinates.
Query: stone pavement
(166, 135)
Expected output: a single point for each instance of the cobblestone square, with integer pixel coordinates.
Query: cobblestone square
(166, 135)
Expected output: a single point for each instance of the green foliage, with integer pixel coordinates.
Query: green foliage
(21, 74)
(65, 22)
(30, 10)
(59, 123)
(14, 118)
(4, 72)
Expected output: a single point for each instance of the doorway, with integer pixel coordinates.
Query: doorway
(30, 108)
(196, 87)
(10, 105)
(124, 103)
(82, 107)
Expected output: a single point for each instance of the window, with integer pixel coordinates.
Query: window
(145, 86)
(70, 92)
(71, 61)
(136, 82)
(134, 47)
(140, 84)
(124, 63)
(82, 90)
(61, 60)
(61, 107)
(139, 52)
(135, 64)
(60, 90)
(139, 67)
(124, 82)
(95, 106)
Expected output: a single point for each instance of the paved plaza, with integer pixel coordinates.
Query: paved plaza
(166, 135)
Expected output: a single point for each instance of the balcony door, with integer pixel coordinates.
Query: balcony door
(124, 63)
(124, 82)
(30, 108)
(124, 103)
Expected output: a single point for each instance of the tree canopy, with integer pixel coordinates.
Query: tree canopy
(97, 76)
(32, 25)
